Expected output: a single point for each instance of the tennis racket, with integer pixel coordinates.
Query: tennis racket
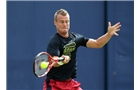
(43, 57)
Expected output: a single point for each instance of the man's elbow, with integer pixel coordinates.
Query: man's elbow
(99, 46)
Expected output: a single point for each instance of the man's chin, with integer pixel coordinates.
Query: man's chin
(65, 30)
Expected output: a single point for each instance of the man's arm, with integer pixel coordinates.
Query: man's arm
(101, 41)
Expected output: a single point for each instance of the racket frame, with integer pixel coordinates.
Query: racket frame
(51, 63)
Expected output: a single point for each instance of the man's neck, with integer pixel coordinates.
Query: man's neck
(65, 35)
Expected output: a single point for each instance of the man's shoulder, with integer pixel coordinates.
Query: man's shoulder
(55, 36)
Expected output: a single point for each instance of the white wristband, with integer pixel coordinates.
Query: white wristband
(60, 63)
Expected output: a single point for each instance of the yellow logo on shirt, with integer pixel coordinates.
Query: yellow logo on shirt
(68, 48)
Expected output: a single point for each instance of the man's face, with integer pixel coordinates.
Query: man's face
(62, 23)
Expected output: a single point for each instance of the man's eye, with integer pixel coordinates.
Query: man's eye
(67, 21)
(61, 22)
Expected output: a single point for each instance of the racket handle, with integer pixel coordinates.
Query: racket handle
(61, 59)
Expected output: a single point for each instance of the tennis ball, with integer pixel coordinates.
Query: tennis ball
(44, 65)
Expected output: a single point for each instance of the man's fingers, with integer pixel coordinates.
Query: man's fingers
(117, 24)
(109, 24)
(116, 34)
(67, 58)
(117, 30)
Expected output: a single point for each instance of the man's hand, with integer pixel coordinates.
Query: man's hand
(112, 30)
(66, 60)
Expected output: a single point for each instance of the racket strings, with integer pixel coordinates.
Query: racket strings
(41, 58)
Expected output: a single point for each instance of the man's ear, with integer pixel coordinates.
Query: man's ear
(54, 22)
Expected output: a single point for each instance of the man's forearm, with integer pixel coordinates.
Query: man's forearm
(101, 41)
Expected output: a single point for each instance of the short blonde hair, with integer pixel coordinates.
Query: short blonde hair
(60, 11)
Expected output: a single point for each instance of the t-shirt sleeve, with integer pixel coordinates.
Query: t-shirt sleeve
(53, 47)
(84, 41)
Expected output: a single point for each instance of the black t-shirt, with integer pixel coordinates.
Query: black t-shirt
(59, 46)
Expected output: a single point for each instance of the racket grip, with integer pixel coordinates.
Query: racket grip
(61, 58)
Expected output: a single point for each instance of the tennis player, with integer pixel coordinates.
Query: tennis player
(65, 44)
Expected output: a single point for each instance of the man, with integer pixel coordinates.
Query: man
(64, 44)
